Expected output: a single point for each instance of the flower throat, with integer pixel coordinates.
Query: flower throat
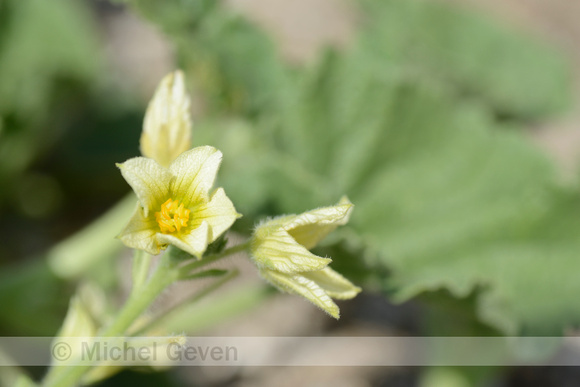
(173, 216)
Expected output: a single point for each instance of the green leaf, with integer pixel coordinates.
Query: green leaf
(445, 197)
(30, 67)
(46, 49)
(512, 72)
(234, 64)
(33, 299)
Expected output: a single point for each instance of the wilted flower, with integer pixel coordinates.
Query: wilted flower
(175, 206)
(279, 247)
(167, 125)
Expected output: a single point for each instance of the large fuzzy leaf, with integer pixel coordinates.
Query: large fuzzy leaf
(45, 47)
(445, 197)
(232, 63)
(513, 73)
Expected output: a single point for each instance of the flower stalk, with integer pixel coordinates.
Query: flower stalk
(187, 269)
(167, 272)
(141, 267)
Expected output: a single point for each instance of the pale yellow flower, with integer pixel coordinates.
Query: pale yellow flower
(279, 247)
(175, 203)
(167, 125)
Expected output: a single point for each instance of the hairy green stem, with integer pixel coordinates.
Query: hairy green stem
(186, 270)
(158, 320)
(140, 299)
(141, 266)
(137, 303)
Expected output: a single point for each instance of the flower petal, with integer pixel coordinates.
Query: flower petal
(334, 284)
(167, 125)
(304, 287)
(194, 242)
(194, 173)
(311, 227)
(140, 233)
(149, 180)
(274, 249)
(219, 213)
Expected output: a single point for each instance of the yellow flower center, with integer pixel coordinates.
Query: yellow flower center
(173, 216)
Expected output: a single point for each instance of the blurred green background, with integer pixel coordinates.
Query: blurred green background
(453, 128)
